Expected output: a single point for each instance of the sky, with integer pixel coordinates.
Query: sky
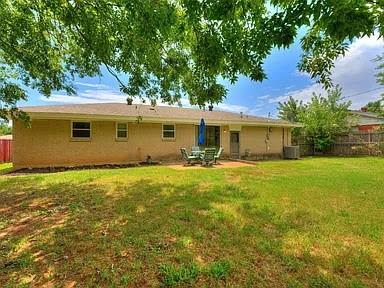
(355, 73)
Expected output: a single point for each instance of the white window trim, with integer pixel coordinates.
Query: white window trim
(174, 131)
(81, 138)
(117, 129)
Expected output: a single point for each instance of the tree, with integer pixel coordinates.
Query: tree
(5, 129)
(380, 75)
(325, 117)
(380, 79)
(291, 111)
(322, 118)
(375, 107)
(167, 49)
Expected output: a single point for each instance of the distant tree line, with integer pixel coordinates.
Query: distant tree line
(375, 107)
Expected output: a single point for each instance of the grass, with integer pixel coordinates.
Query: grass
(5, 168)
(310, 223)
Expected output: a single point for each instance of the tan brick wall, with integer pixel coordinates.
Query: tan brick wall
(224, 139)
(254, 140)
(48, 143)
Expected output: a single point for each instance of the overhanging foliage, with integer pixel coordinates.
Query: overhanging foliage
(169, 49)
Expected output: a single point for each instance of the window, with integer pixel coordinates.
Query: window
(121, 130)
(81, 129)
(168, 131)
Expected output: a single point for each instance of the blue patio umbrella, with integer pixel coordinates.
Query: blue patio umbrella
(202, 132)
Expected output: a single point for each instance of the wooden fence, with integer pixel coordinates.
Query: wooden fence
(350, 144)
(5, 150)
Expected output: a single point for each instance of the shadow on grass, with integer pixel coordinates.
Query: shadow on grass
(151, 233)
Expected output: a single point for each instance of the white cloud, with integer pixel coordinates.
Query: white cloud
(231, 108)
(238, 108)
(304, 94)
(264, 97)
(355, 73)
(59, 98)
(221, 107)
(90, 85)
(113, 96)
(88, 96)
(301, 74)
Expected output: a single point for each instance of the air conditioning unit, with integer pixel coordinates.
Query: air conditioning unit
(291, 152)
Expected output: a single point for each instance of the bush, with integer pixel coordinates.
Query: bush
(323, 144)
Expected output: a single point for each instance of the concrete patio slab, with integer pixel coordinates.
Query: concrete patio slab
(221, 164)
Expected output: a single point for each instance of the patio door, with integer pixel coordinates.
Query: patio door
(235, 145)
(212, 136)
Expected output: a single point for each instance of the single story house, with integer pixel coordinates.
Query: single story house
(117, 133)
(364, 121)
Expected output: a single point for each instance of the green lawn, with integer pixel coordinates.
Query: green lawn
(5, 168)
(308, 223)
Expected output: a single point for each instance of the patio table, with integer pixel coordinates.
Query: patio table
(198, 154)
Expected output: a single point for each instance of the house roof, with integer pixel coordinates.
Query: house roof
(147, 113)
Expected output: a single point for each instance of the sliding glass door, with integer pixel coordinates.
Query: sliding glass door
(212, 136)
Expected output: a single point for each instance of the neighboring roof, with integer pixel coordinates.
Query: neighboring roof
(6, 137)
(367, 118)
(147, 113)
(366, 114)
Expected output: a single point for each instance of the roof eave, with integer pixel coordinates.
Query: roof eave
(145, 119)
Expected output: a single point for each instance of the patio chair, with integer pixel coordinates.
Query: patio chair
(209, 156)
(195, 150)
(218, 155)
(188, 158)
